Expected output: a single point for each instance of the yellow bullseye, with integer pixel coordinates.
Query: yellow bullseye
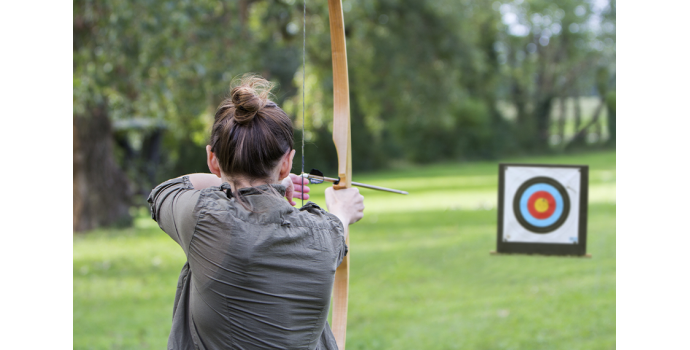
(541, 205)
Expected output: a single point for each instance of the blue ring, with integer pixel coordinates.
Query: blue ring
(541, 222)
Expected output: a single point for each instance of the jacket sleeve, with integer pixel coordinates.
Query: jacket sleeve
(337, 230)
(172, 206)
(338, 237)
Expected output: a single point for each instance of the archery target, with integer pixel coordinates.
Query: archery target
(541, 205)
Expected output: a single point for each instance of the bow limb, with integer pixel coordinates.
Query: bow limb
(341, 138)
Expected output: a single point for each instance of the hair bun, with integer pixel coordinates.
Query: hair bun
(249, 97)
(246, 102)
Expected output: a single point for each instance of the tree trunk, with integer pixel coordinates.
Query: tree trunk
(578, 111)
(525, 125)
(152, 154)
(561, 119)
(542, 115)
(596, 130)
(101, 191)
(580, 135)
(579, 138)
(611, 117)
(520, 103)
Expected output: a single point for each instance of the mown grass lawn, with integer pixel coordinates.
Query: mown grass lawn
(421, 274)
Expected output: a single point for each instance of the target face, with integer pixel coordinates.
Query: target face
(542, 208)
(541, 204)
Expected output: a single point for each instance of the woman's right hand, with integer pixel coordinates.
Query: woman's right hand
(347, 204)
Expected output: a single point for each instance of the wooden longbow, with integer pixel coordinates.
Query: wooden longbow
(341, 138)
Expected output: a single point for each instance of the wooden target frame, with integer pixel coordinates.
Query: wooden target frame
(574, 215)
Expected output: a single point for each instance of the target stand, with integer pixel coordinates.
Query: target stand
(542, 209)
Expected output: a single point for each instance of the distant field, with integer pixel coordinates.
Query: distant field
(421, 276)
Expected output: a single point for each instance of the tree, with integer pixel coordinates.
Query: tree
(142, 60)
(550, 52)
(426, 79)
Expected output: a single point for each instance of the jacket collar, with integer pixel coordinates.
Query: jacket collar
(249, 191)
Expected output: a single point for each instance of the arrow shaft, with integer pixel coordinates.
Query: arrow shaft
(358, 184)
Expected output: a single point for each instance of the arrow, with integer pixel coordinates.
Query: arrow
(316, 177)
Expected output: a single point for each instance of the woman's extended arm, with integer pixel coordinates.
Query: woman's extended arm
(202, 181)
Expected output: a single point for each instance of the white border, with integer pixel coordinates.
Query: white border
(513, 231)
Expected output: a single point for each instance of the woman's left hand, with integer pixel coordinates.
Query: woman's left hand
(295, 187)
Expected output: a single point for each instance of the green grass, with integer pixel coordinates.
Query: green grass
(421, 274)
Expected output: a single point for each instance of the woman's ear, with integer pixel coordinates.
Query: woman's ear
(212, 161)
(286, 165)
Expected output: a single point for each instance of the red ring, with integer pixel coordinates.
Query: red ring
(532, 200)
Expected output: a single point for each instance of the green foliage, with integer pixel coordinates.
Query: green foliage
(421, 275)
(172, 62)
(425, 77)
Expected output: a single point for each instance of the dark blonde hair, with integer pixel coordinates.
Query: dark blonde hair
(250, 133)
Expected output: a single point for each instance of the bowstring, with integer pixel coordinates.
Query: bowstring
(304, 67)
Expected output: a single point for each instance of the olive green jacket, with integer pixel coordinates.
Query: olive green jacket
(259, 272)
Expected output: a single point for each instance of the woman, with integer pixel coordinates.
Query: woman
(259, 272)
